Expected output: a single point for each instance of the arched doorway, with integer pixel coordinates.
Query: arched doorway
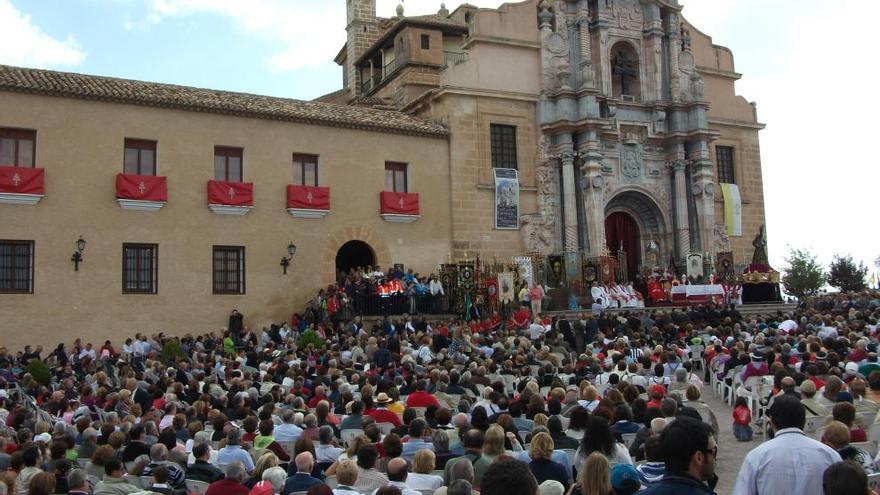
(354, 254)
(621, 231)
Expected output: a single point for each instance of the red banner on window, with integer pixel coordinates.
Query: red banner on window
(308, 197)
(396, 203)
(230, 193)
(141, 187)
(22, 180)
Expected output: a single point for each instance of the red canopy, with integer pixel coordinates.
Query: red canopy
(22, 180)
(141, 187)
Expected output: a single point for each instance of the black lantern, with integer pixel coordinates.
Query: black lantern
(77, 257)
(285, 261)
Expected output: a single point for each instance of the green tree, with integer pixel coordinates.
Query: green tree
(171, 353)
(803, 275)
(39, 371)
(846, 275)
(309, 337)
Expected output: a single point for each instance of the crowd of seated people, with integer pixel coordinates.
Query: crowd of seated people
(439, 407)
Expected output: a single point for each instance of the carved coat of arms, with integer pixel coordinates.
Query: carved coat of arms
(630, 162)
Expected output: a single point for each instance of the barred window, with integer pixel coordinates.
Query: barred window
(724, 161)
(16, 267)
(229, 273)
(140, 268)
(503, 143)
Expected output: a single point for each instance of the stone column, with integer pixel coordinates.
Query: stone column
(566, 157)
(683, 236)
(704, 193)
(593, 194)
(673, 33)
(586, 62)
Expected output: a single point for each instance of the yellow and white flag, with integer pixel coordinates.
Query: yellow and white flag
(732, 209)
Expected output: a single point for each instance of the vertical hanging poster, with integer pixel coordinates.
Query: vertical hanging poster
(506, 198)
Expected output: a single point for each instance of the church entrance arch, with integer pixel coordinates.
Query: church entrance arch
(633, 221)
(622, 232)
(354, 254)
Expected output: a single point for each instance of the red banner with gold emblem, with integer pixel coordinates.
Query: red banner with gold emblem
(397, 203)
(22, 180)
(230, 193)
(141, 187)
(308, 197)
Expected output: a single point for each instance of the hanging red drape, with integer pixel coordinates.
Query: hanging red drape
(621, 230)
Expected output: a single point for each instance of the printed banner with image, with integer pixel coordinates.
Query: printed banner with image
(506, 198)
(524, 266)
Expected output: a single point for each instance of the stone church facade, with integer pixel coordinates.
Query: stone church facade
(618, 116)
(620, 106)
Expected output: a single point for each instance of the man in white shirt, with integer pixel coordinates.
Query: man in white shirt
(536, 329)
(790, 463)
(325, 451)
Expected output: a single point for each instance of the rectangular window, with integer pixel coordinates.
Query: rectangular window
(395, 177)
(16, 267)
(140, 268)
(140, 157)
(227, 164)
(426, 42)
(17, 147)
(503, 143)
(305, 170)
(229, 270)
(724, 159)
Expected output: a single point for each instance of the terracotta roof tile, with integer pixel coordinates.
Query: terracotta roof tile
(72, 85)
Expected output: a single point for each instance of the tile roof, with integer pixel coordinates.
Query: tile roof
(88, 87)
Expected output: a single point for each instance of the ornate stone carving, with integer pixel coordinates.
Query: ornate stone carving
(722, 240)
(630, 161)
(685, 39)
(628, 14)
(696, 86)
(598, 182)
(539, 229)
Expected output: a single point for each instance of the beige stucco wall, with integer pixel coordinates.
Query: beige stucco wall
(80, 144)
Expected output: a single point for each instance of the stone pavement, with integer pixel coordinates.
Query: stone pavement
(731, 452)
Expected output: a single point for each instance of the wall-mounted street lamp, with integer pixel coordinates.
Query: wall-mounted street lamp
(77, 257)
(285, 261)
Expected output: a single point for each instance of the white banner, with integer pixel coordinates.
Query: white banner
(732, 209)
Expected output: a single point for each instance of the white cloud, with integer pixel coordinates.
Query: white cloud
(22, 43)
(309, 34)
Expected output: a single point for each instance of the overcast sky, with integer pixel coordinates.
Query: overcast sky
(807, 64)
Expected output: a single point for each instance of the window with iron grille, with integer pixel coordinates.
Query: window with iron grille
(140, 268)
(395, 177)
(724, 161)
(140, 157)
(228, 164)
(305, 169)
(426, 42)
(16, 267)
(17, 147)
(503, 141)
(229, 273)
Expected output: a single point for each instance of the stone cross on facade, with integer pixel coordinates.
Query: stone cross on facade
(623, 67)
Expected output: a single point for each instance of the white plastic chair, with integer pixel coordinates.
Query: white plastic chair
(813, 423)
(349, 434)
(628, 439)
(385, 428)
(869, 447)
(195, 486)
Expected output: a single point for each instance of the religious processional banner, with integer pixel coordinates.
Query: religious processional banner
(732, 209)
(230, 193)
(506, 198)
(573, 272)
(506, 287)
(524, 265)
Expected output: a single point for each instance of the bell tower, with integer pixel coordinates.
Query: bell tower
(362, 28)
